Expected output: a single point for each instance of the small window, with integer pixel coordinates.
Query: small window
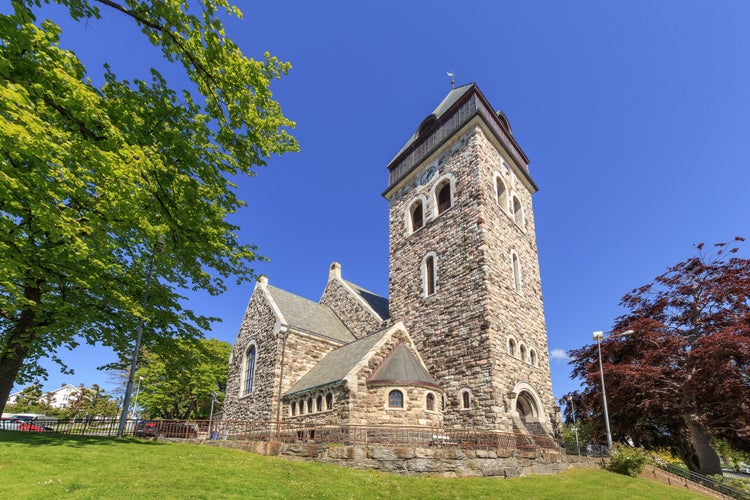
(301, 407)
(429, 275)
(395, 399)
(502, 193)
(417, 215)
(430, 402)
(532, 356)
(523, 352)
(518, 213)
(293, 408)
(444, 197)
(309, 405)
(512, 347)
(465, 399)
(329, 401)
(319, 403)
(516, 273)
(249, 369)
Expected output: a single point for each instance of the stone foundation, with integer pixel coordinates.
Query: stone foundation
(450, 462)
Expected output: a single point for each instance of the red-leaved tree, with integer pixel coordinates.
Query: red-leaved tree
(682, 378)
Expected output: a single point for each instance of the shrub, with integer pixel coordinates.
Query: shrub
(627, 460)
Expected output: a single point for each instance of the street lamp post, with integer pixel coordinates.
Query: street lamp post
(135, 403)
(599, 336)
(575, 424)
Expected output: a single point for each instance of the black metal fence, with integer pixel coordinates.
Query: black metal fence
(236, 430)
(708, 482)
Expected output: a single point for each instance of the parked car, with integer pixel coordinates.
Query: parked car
(164, 428)
(22, 423)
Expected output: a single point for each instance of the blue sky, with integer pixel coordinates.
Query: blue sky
(633, 114)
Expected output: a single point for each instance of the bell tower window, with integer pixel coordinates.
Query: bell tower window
(444, 197)
(417, 215)
(429, 275)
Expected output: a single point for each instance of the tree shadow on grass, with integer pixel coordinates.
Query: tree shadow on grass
(57, 439)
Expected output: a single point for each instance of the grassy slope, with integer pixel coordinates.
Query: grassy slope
(54, 466)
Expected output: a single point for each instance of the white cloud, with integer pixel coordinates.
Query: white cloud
(558, 355)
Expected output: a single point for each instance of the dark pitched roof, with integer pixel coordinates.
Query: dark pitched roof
(336, 364)
(453, 96)
(306, 315)
(379, 304)
(402, 368)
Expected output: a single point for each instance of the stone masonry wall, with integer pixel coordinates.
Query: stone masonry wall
(257, 325)
(462, 330)
(350, 311)
(448, 326)
(510, 314)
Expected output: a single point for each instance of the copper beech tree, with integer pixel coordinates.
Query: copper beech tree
(682, 379)
(99, 184)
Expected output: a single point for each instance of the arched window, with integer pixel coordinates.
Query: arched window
(329, 401)
(511, 347)
(309, 405)
(319, 403)
(522, 349)
(466, 399)
(444, 201)
(518, 213)
(249, 374)
(416, 213)
(532, 356)
(301, 407)
(430, 402)
(395, 399)
(516, 272)
(501, 192)
(293, 408)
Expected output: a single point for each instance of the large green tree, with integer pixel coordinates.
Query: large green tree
(97, 182)
(181, 383)
(682, 379)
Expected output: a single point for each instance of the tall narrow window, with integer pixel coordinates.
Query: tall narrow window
(319, 403)
(502, 193)
(395, 399)
(417, 215)
(329, 401)
(429, 275)
(518, 213)
(465, 399)
(444, 197)
(309, 405)
(249, 369)
(511, 347)
(523, 352)
(532, 356)
(516, 273)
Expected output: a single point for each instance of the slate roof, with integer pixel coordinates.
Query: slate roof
(379, 304)
(453, 96)
(336, 364)
(402, 368)
(306, 315)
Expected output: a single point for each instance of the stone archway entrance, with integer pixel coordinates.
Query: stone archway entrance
(528, 414)
(527, 408)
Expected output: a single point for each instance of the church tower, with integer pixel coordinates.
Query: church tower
(464, 269)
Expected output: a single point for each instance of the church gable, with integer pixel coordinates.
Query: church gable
(362, 311)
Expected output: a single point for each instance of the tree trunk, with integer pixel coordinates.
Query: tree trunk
(708, 462)
(18, 344)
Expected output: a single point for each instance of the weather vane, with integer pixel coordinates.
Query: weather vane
(453, 79)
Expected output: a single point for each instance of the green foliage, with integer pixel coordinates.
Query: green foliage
(179, 384)
(91, 178)
(627, 460)
(54, 466)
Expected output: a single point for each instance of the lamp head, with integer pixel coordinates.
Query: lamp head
(598, 335)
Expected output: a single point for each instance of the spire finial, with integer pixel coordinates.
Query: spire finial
(453, 78)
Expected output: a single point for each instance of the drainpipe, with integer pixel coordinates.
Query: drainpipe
(283, 329)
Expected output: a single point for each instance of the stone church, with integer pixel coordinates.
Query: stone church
(461, 341)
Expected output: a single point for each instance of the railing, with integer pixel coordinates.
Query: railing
(706, 481)
(236, 430)
(585, 449)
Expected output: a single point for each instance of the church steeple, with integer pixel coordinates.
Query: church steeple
(464, 272)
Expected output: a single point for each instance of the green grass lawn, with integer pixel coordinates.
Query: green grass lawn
(57, 466)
